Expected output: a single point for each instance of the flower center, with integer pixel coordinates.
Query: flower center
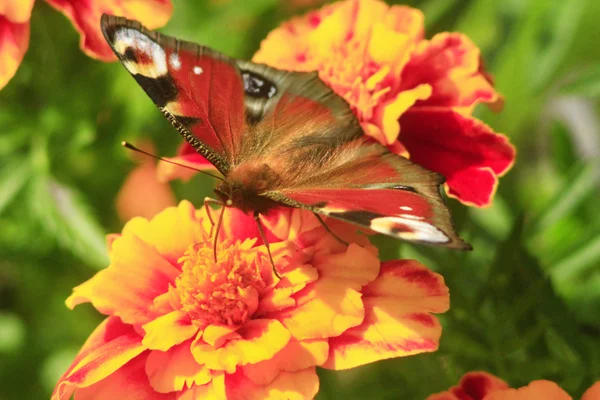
(225, 291)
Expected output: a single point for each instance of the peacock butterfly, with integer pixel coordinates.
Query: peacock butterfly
(281, 138)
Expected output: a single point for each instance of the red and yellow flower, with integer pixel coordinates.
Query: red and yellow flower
(484, 386)
(413, 95)
(85, 16)
(182, 325)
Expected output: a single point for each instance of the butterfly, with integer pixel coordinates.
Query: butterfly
(281, 138)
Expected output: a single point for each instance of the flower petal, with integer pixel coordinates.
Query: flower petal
(168, 330)
(397, 319)
(16, 11)
(593, 393)
(457, 146)
(260, 340)
(357, 266)
(298, 385)
(130, 381)
(214, 390)
(142, 195)
(338, 307)
(175, 369)
(472, 386)
(85, 16)
(186, 155)
(536, 390)
(294, 357)
(14, 40)
(129, 285)
(109, 347)
(450, 64)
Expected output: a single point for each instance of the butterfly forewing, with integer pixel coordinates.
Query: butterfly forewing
(282, 136)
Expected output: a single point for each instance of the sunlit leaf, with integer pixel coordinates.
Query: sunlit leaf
(13, 176)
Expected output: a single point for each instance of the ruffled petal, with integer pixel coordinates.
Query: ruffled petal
(397, 319)
(127, 288)
(536, 390)
(457, 146)
(16, 11)
(260, 339)
(357, 266)
(186, 155)
(214, 390)
(294, 357)
(14, 40)
(85, 16)
(168, 330)
(109, 347)
(298, 385)
(472, 386)
(450, 64)
(175, 369)
(130, 381)
(338, 307)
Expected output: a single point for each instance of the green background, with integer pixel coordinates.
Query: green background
(525, 303)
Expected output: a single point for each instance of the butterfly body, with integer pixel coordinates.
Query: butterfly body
(281, 138)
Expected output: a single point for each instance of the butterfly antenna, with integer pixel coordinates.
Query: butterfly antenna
(132, 147)
(261, 231)
(219, 222)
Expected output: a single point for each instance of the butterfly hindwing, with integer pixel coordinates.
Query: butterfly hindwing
(282, 136)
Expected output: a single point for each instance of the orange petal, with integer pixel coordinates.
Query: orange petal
(338, 307)
(168, 330)
(397, 317)
(473, 385)
(142, 195)
(294, 357)
(260, 340)
(16, 11)
(175, 369)
(85, 16)
(536, 390)
(14, 40)
(216, 334)
(129, 285)
(298, 385)
(357, 266)
(109, 347)
(593, 393)
(129, 379)
(450, 63)
(214, 390)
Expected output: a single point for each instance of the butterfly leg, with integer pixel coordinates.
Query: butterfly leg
(339, 239)
(217, 233)
(207, 201)
(261, 231)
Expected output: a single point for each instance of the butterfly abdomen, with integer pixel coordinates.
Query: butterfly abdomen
(244, 185)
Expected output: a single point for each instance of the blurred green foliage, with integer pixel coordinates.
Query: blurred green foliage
(525, 302)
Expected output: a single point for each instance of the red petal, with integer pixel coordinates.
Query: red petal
(450, 63)
(85, 16)
(461, 148)
(472, 386)
(16, 11)
(109, 347)
(14, 40)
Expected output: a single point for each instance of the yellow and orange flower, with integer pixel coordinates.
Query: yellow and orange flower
(182, 325)
(85, 16)
(413, 95)
(484, 386)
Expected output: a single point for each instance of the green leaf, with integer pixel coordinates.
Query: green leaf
(63, 212)
(585, 83)
(13, 177)
(578, 262)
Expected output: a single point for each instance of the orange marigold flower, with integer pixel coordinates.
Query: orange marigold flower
(85, 16)
(484, 386)
(182, 325)
(413, 95)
